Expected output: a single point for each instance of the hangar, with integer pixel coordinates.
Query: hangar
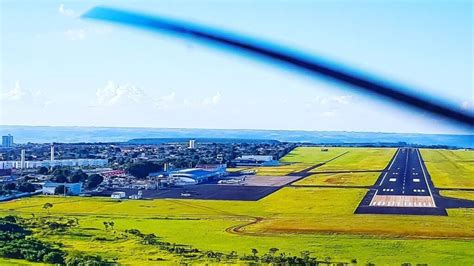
(194, 176)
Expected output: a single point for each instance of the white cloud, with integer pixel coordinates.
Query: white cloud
(165, 102)
(333, 100)
(19, 95)
(75, 34)
(16, 93)
(114, 94)
(66, 11)
(213, 100)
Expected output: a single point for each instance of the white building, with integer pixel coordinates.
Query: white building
(118, 195)
(192, 143)
(48, 164)
(71, 188)
(255, 160)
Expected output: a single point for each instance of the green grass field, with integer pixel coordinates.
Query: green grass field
(359, 159)
(450, 168)
(302, 158)
(292, 218)
(319, 220)
(340, 179)
(312, 155)
(460, 194)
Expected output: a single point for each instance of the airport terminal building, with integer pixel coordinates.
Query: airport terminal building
(193, 176)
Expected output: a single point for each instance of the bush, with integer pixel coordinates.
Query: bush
(26, 187)
(94, 180)
(87, 260)
(54, 258)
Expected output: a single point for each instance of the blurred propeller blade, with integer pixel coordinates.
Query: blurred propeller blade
(308, 64)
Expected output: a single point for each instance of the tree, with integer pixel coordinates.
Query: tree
(60, 178)
(54, 258)
(254, 252)
(43, 170)
(273, 251)
(47, 206)
(77, 176)
(9, 186)
(143, 169)
(94, 180)
(112, 224)
(26, 187)
(61, 190)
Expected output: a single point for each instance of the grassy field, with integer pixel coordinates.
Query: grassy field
(302, 158)
(282, 169)
(450, 168)
(359, 159)
(460, 194)
(311, 155)
(340, 179)
(293, 219)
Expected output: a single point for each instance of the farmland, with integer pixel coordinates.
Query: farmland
(293, 219)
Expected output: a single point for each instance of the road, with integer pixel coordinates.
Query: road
(405, 182)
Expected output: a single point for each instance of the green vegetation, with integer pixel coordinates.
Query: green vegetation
(342, 179)
(15, 244)
(143, 169)
(336, 158)
(65, 175)
(450, 168)
(319, 220)
(359, 159)
(312, 155)
(460, 194)
(303, 224)
(281, 170)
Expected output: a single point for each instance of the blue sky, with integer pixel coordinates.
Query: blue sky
(58, 69)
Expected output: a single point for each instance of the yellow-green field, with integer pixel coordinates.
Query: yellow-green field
(356, 159)
(460, 194)
(312, 155)
(359, 159)
(450, 168)
(340, 179)
(293, 219)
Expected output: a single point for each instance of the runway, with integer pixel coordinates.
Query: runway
(404, 187)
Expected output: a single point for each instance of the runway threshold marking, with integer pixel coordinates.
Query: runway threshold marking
(402, 201)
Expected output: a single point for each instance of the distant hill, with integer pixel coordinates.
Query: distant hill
(198, 140)
(44, 134)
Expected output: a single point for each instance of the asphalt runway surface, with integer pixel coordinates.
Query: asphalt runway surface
(404, 187)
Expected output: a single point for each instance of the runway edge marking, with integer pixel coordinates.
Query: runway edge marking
(424, 175)
(385, 175)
